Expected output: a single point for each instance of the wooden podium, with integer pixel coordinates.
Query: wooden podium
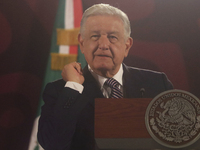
(120, 125)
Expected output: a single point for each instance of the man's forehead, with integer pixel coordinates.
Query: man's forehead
(96, 22)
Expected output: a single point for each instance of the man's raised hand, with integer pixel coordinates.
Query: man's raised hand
(73, 72)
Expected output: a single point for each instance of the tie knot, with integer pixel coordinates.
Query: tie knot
(112, 82)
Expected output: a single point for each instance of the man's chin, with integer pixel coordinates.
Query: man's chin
(104, 67)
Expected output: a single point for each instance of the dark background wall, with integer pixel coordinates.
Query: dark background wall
(166, 38)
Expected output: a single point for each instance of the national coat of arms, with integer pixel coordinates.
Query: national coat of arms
(173, 118)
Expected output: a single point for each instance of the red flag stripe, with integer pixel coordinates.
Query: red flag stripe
(78, 11)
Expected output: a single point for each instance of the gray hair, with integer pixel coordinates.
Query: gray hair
(106, 9)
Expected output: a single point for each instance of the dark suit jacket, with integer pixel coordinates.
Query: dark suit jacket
(67, 117)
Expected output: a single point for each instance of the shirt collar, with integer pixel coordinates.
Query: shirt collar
(101, 80)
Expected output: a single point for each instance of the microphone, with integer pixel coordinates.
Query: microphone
(142, 91)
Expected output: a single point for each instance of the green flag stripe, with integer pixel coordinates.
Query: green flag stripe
(52, 75)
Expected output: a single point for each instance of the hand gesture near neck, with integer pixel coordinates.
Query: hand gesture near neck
(73, 72)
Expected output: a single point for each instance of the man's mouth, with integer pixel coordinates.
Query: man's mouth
(103, 56)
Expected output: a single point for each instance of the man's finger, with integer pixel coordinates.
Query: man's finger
(78, 67)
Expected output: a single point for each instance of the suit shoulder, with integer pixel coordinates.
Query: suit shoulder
(140, 71)
(150, 77)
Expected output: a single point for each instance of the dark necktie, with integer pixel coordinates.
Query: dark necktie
(115, 91)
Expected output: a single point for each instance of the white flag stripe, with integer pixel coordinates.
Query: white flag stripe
(69, 14)
(69, 23)
(64, 49)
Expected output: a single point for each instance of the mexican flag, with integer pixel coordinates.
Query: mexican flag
(64, 49)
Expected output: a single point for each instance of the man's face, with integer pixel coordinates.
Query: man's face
(104, 44)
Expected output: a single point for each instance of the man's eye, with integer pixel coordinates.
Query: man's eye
(94, 37)
(112, 38)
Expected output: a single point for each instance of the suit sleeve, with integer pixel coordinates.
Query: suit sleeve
(58, 119)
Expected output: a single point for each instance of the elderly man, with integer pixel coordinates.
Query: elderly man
(67, 118)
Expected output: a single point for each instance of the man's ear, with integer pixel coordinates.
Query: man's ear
(128, 44)
(80, 40)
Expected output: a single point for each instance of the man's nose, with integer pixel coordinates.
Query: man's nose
(104, 42)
